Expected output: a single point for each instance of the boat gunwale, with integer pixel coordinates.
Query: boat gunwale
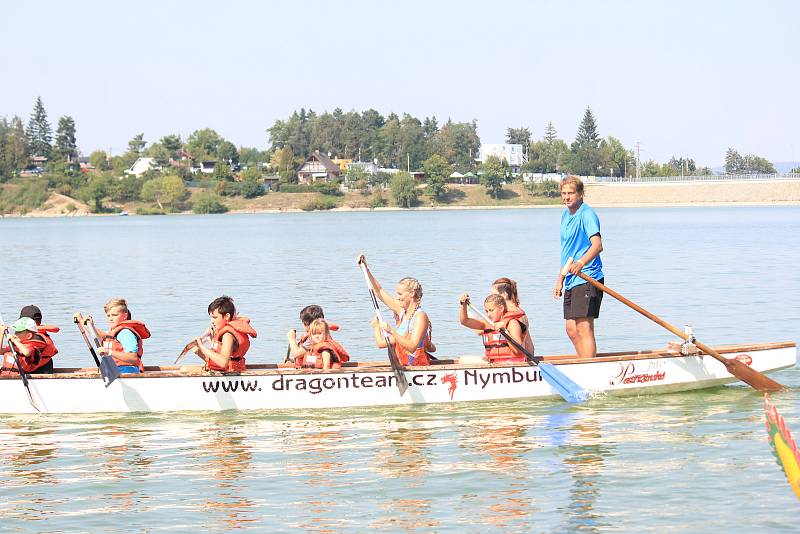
(272, 369)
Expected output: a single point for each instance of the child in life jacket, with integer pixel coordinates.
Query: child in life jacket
(308, 315)
(230, 338)
(28, 345)
(124, 339)
(507, 288)
(497, 348)
(43, 331)
(324, 352)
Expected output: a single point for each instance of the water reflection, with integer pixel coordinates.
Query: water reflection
(226, 458)
(584, 454)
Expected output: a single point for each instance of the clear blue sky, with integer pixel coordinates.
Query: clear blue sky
(680, 77)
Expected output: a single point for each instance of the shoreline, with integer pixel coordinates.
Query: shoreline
(603, 195)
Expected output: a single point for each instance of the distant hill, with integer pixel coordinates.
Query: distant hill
(781, 166)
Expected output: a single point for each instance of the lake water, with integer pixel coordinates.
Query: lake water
(684, 462)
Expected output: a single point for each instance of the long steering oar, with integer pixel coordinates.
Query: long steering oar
(108, 367)
(738, 369)
(564, 385)
(399, 377)
(22, 374)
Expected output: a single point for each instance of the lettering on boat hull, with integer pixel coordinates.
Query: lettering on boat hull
(628, 375)
(316, 385)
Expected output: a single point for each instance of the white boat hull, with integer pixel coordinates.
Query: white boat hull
(266, 387)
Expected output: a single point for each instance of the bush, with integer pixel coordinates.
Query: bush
(29, 194)
(546, 188)
(377, 200)
(404, 190)
(209, 203)
(149, 211)
(320, 204)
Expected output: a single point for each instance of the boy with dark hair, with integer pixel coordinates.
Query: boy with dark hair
(230, 337)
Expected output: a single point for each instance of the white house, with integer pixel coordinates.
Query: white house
(513, 154)
(141, 166)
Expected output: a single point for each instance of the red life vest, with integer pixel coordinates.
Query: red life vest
(496, 347)
(29, 363)
(50, 350)
(242, 332)
(313, 358)
(139, 330)
(527, 341)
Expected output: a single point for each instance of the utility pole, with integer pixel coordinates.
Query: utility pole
(638, 162)
(408, 162)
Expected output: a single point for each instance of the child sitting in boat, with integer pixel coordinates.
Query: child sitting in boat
(230, 337)
(324, 352)
(411, 336)
(497, 348)
(297, 349)
(28, 345)
(44, 331)
(124, 339)
(507, 288)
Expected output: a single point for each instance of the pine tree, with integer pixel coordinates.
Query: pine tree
(65, 138)
(39, 133)
(587, 131)
(550, 133)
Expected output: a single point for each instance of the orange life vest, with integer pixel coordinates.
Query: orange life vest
(313, 358)
(497, 349)
(139, 330)
(50, 350)
(29, 363)
(420, 356)
(242, 332)
(527, 340)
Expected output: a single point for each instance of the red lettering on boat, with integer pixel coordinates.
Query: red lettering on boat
(627, 375)
(745, 359)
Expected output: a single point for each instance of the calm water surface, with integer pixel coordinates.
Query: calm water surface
(684, 463)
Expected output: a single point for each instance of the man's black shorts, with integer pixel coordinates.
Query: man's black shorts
(583, 301)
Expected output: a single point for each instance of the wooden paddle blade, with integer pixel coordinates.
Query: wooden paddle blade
(750, 376)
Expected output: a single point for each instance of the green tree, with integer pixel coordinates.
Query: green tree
(159, 153)
(758, 165)
(222, 172)
(66, 144)
(734, 162)
(172, 143)
(137, 144)
(437, 170)
(614, 157)
(203, 144)
(586, 147)
(97, 188)
(550, 134)
(39, 134)
(518, 136)
(208, 202)
(493, 175)
(403, 190)
(226, 151)
(128, 188)
(99, 160)
(13, 148)
(165, 191)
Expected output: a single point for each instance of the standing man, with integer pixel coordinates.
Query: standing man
(580, 240)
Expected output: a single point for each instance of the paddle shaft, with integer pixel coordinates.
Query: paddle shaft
(88, 343)
(400, 378)
(528, 355)
(738, 369)
(22, 374)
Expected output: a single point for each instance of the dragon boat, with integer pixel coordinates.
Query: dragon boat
(269, 387)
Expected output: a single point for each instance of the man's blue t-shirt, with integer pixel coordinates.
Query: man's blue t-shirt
(128, 340)
(575, 233)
